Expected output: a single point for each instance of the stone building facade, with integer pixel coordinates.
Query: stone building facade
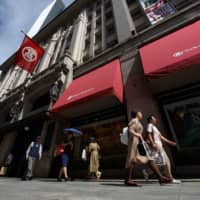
(88, 35)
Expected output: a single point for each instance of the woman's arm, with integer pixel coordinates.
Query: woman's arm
(131, 126)
(169, 142)
(151, 139)
(134, 133)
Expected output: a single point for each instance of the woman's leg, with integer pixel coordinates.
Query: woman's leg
(60, 172)
(154, 168)
(65, 171)
(128, 175)
(168, 164)
(130, 171)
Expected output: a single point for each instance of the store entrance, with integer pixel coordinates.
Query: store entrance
(106, 129)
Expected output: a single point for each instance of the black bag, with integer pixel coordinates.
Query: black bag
(141, 149)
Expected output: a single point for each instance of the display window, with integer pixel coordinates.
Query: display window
(107, 134)
(184, 121)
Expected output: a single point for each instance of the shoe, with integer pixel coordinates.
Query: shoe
(164, 179)
(66, 179)
(145, 174)
(99, 174)
(24, 178)
(175, 181)
(131, 183)
(59, 179)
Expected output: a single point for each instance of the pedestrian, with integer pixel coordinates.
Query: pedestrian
(66, 152)
(33, 153)
(94, 149)
(135, 128)
(156, 139)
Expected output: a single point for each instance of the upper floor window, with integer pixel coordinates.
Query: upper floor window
(157, 10)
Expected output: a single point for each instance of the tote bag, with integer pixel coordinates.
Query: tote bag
(84, 155)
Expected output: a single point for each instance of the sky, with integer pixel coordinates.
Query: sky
(17, 15)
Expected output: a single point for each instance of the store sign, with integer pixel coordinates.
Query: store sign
(84, 92)
(181, 53)
(156, 10)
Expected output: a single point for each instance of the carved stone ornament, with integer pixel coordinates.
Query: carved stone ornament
(15, 111)
(55, 90)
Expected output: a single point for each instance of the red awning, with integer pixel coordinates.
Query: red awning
(172, 52)
(98, 89)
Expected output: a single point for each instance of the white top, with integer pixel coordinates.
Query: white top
(155, 132)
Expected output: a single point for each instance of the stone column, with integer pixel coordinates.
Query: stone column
(60, 36)
(73, 55)
(66, 75)
(92, 35)
(77, 43)
(103, 31)
(4, 84)
(22, 77)
(27, 106)
(123, 20)
(65, 35)
(12, 78)
(48, 53)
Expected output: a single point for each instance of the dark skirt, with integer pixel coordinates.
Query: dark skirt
(64, 159)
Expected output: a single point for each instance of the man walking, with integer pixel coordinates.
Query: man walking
(33, 153)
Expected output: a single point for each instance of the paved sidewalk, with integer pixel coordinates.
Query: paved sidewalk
(50, 189)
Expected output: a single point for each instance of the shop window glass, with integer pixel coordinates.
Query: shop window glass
(184, 120)
(108, 137)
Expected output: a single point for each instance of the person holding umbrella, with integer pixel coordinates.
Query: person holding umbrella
(67, 147)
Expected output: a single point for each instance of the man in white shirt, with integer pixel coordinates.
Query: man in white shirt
(156, 141)
(33, 153)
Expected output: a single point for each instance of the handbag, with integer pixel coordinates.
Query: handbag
(59, 150)
(124, 136)
(158, 158)
(143, 148)
(84, 155)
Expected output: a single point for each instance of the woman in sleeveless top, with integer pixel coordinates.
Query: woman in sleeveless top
(65, 156)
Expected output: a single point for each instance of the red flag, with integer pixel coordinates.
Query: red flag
(28, 54)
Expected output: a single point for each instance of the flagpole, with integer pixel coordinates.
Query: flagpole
(23, 32)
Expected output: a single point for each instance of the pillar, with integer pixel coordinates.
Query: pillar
(123, 20)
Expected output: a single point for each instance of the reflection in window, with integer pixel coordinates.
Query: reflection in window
(107, 136)
(156, 10)
(184, 118)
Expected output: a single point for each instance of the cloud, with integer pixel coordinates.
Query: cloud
(14, 17)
